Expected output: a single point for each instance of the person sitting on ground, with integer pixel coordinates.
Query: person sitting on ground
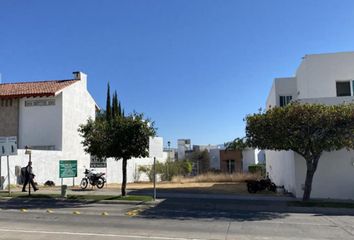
(29, 176)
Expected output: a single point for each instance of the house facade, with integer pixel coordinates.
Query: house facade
(320, 78)
(45, 116)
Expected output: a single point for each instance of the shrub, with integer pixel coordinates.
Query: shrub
(257, 168)
(217, 177)
(168, 169)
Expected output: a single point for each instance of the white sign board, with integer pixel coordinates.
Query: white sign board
(156, 147)
(8, 146)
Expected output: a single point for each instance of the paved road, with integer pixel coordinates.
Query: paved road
(173, 219)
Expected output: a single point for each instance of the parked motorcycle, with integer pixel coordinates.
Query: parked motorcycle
(254, 186)
(94, 178)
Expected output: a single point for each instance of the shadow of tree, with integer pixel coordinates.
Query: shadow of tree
(212, 209)
(31, 203)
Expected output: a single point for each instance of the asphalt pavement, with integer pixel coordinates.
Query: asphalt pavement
(170, 219)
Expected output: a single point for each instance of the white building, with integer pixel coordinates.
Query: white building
(320, 78)
(183, 145)
(46, 116)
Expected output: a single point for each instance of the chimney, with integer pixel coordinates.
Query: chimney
(78, 75)
(81, 76)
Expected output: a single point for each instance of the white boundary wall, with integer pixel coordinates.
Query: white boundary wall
(46, 167)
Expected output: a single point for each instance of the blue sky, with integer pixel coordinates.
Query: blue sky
(195, 67)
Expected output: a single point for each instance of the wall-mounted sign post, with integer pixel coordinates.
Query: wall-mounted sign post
(8, 147)
(155, 151)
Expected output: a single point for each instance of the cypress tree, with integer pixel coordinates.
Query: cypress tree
(108, 104)
(115, 108)
(120, 109)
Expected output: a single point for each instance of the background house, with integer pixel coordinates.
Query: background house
(326, 79)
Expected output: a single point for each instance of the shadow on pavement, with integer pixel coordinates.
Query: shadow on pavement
(213, 209)
(178, 205)
(19, 203)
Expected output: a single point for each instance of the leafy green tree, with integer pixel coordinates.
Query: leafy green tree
(108, 104)
(307, 129)
(129, 138)
(237, 144)
(95, 134)
(202, 159)
(121, 138)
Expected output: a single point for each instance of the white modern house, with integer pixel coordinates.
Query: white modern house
(326, 79)
(45, 116)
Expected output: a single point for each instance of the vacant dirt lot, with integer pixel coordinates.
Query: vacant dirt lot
(207, 187)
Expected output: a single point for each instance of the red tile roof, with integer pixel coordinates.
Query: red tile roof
(33, 89)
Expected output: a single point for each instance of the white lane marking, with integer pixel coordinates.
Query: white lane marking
(95, 234)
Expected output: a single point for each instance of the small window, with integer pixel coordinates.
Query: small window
(284, 100)
(44, 147)
(6, 103)
(343, 89)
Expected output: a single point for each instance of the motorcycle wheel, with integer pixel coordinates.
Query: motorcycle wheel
(100, 183)
(252, 188)
(84, 183)
(272, 187)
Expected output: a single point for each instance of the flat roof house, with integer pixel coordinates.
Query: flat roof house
(46, 115)
(326, 79)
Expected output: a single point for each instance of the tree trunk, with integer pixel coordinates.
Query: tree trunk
(124, 182)
(311, 163)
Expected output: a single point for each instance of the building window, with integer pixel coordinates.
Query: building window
(284, 100)
(230, 166)
(343, 89)
(40, 103)
(6, 103)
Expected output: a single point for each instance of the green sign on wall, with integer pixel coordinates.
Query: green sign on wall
(67, 168)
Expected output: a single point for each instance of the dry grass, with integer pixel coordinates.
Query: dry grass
(216, 177)
(201, 187)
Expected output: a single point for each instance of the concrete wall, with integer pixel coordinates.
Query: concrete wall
(334, 177)
(248, 158)
(46, 167)
(318, 73)
(281, 87)
(281, 169)
(271, 100)
(78, 107)
(9, 117)
(40, 125)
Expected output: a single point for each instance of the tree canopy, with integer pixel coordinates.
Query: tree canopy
(307, 129)
(237, 144)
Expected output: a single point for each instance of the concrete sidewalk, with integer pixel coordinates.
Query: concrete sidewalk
(163, 194)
